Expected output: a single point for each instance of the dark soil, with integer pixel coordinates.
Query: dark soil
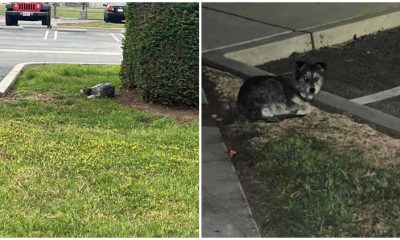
(133, 99)
(360, 67)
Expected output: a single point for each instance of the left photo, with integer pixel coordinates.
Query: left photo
(99, 119)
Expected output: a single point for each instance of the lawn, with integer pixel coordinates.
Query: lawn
(74, 12)
(100, 24)
(321, 175)
(73, 167)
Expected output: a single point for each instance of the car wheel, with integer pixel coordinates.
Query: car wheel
(47, 20)
(106, 18)
(11, 21)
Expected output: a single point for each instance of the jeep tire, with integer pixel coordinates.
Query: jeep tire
(47, 20)
(11, 21)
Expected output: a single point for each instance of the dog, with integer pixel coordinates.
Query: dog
(274, 98)
(103, 90)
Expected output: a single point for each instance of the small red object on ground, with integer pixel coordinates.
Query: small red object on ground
(232, 152)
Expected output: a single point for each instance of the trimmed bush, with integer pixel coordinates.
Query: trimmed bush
(161, 52)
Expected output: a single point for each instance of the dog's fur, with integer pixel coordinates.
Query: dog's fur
(273, 98)
(104, 90)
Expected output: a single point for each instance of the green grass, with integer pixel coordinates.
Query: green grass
(100, 24)
(318, 190)
(74, 12)
(2, 9)
(72, 167)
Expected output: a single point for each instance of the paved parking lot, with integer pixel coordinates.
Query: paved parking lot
(39, 44)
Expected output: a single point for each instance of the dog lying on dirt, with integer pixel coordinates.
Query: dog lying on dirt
(273, 98)
(103, 90)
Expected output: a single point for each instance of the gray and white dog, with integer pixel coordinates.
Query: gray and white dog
(103, 90)
(273, 98)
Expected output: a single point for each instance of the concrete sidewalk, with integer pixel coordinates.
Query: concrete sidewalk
(232, 24)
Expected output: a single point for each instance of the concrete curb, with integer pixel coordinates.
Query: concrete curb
(62, 29)
(11, 27)
(338, 32)
(36, 26)
(276, 48)
(225, 210)
(314, 38)
(382, 121)
(9, 80)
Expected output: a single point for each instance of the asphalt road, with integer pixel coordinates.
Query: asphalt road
(40, 44)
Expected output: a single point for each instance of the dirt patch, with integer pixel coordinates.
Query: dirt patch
(132, 99)
(124, 97)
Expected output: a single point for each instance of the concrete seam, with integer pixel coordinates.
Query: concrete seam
(247, 18)
(245, 42)
(311, 38)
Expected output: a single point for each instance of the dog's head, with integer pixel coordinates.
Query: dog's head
(86, 91)
(309, 78)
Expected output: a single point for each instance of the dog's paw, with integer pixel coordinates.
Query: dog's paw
(304, 111)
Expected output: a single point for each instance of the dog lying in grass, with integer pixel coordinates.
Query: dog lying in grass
(273, 98)
(102, 90)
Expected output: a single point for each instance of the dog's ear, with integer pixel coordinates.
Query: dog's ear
(300, 64)
(321, 66)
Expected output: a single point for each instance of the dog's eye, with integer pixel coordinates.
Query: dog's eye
(316, 79)
(306, 79)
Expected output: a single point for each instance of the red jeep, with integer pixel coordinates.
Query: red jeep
(28, 11)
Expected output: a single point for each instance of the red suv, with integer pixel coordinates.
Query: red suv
(28, 11)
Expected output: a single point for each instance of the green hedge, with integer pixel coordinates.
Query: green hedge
(161, 52)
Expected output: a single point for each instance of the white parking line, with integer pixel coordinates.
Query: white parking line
(45, 35)
(116, 39)
(122, 36)
(55, 35)
(60, 52)
(379, 96)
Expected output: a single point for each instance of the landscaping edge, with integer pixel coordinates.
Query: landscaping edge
(330, 102)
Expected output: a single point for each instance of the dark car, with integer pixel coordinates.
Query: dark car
(114, 12)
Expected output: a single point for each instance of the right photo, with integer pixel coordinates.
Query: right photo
(300, 119)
